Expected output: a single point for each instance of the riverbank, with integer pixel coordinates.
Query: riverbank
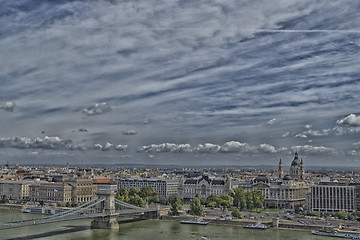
(11, 206)
(244, 222)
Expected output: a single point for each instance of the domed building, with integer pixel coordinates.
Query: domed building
(297, 168)
(287, 191)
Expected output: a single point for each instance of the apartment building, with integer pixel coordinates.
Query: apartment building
(165, 187)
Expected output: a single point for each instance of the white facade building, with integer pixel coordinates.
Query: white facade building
(332, 197)
(165, 187)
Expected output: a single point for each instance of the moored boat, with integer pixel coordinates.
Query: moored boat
(343, 233)
(47, 211)
(198, 221)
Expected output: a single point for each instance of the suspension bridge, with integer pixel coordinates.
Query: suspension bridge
(103, 211)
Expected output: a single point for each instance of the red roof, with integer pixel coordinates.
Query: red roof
(101, 180)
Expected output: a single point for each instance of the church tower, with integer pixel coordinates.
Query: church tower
(281, 170)
(302, 170)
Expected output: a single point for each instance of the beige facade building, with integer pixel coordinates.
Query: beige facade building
(83, 190)
(50, 192)
(204, 187)
(16, 190)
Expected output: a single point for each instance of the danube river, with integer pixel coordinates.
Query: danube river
(143, 230)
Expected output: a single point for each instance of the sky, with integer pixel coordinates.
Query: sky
(180, 82)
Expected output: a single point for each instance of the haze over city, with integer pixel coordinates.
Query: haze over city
(180, 82)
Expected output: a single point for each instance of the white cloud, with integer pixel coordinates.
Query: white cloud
(130, 132)
(351, 120)
(37, 143)
(228, 147)
(267, 148)
(207, 148)
(233, 146)
(352, 153)
(315, 133)
(286, 134)
(166, 147)
(109, 146)
(301, 135)
(121, 147)
(308, 126)
(313, 149)
(272, 121)
(97, 109)
(8, 106)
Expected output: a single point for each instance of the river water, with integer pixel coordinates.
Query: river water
(143, 230)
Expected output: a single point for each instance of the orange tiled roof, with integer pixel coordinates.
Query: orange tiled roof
(101, 180)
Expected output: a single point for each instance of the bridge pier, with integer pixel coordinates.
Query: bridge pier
(107, 192)
(152, 214)
(104, 223)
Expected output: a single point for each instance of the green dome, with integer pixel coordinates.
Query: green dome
(296, 161)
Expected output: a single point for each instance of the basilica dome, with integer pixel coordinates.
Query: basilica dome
(296, 161)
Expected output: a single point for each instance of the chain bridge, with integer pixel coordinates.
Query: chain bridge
(103, 210)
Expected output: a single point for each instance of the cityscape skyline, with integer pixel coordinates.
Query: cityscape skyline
(180, 82)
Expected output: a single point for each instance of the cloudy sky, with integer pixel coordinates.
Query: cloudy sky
(216, 82)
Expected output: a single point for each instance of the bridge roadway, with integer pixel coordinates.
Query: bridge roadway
(102, 209)
(50, 219)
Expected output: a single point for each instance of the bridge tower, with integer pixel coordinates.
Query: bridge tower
(107, 207)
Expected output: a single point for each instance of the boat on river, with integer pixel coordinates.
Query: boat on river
(47, 211)
(258, 225)
(341, 232)
(199, 221)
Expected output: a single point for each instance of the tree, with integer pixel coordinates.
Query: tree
(133, 192)
(258, 198)
(236, 213)
(4, 199)
(226, 200)
(212, 199)
(249, 200)
(164, 200)
(341, 215)
(195, 207)
(137, 201)
(273, 204)
(149, 194)
(175, 203)
(349, 216)
(239, 198)
(122, 195)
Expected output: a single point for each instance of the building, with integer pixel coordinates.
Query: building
(357, 195)
(287, 191)
(15, 190)
(165, 187)
(332, 197)
(297, 168)
(51, 192)
(203, 187)
(83, 190)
